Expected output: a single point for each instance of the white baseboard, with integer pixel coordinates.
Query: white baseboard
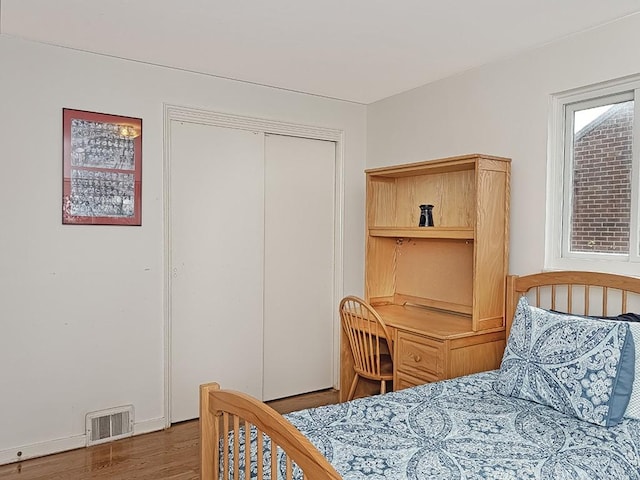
(34, 450)
(149, 426)
(24, 452)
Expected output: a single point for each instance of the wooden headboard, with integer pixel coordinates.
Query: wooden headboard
(583, 293)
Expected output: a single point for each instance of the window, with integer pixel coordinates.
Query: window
(593, 179)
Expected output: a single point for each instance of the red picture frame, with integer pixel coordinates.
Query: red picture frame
(102, 168)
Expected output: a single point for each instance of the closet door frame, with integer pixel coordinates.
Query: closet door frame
(177, 113)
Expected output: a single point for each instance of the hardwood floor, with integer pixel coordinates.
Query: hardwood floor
(171, 454)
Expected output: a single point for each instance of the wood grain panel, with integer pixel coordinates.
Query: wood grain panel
(435, 323)
(476, 358)
(452, 195)
(380, 267)
(435, 269)
(381, 210)
(491, 256)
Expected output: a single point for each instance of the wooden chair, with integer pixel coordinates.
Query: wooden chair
(369, 340)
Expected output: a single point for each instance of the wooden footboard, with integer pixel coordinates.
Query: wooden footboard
(226, 421)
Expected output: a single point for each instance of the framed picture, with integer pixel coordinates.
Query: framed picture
(102, 169)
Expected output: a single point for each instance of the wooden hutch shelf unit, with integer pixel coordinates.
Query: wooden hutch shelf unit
(441, 289)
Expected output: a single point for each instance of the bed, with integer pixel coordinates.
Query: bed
(523, 421)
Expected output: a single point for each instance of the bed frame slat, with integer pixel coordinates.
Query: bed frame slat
(247, 448)
(260, 443)
(225, 429)
(289, 469)
(274, 460)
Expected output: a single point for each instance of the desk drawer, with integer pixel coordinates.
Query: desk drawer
(420, 356)
(403, 380)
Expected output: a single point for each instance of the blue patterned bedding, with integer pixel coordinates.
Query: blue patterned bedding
(463, 429)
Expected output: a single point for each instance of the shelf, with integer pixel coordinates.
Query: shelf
(461, 233)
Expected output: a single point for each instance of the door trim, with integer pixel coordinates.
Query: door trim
(173, 113)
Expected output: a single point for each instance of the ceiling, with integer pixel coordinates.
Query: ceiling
(355, 50)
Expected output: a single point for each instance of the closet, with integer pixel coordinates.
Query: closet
(251, 263)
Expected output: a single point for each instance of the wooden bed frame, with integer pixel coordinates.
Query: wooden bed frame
(227, 414)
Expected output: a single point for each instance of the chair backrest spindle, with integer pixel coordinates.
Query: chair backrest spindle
(366, 332)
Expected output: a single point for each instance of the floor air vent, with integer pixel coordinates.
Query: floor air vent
(108, 425)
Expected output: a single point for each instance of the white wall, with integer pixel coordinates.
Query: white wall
(81, 307)
(502, 109)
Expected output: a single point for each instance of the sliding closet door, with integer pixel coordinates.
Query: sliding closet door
(299, 265)
(217, 255)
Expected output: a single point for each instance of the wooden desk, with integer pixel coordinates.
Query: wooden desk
(429, 345)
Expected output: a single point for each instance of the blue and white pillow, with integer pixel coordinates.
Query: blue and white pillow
(633, 409)
(579, 366)
(633, 320)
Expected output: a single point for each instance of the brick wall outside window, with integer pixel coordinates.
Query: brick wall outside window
(602, 183)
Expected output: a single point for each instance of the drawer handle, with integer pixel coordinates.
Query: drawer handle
(416, 358)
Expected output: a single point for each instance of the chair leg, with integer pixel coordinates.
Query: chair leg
(383, 386)
(352, 390)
